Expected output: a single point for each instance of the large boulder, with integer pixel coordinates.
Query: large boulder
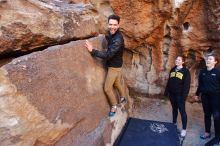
(33, 24)
(56, 93)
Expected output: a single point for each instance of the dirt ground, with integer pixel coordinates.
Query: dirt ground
(160, 110)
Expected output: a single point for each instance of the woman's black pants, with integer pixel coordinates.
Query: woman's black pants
(211, 107)
(178, 103)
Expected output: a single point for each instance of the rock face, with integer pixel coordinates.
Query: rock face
(157, 31)
(31, 24)
(144, 31)
(44, 97)
(213, 22)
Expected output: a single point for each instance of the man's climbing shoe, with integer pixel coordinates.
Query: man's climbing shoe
(123, 100)
(111, 114)
(113, 111)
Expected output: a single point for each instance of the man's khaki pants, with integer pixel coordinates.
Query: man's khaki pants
(114, 78)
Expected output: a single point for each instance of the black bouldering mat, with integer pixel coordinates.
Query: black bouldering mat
(214, 142)
(138, 132)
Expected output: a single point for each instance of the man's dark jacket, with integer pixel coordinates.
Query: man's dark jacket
(114, 52)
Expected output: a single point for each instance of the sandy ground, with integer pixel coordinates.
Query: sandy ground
(160, 110)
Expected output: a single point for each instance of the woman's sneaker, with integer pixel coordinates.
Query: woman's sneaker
(205, 135)
(183, 133)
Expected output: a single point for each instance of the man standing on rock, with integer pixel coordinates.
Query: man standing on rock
(114, 59)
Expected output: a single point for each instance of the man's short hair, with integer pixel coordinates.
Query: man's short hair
(114, 17)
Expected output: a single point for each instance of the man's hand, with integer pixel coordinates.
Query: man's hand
(89, 46)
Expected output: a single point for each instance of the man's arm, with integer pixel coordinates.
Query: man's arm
(112, 49)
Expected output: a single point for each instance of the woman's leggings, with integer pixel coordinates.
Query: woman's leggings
(178, 102)
(211, 107)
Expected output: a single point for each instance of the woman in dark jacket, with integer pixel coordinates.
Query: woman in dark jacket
(177, 90)
(209, 89)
